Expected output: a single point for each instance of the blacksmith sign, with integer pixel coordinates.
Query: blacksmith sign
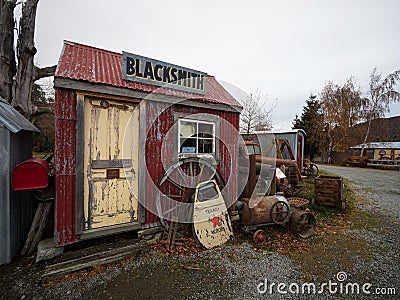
(154, 72)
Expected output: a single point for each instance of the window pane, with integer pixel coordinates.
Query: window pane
(250, 149)
(205, 146)
(257, 149)
(188, 129)
(206, 130)
(188, 146)
(207, 192)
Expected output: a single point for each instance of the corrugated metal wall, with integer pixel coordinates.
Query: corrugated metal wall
(65, 167)
(21, 201)
(16, 210)
(159, 120)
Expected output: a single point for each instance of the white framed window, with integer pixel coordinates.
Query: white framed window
(196, 137)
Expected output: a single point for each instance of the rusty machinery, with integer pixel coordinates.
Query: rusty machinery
(264, 199)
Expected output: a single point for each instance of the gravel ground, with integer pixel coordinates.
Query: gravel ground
(235, 271)
(380, 187)
(380, 190)
(232, 272)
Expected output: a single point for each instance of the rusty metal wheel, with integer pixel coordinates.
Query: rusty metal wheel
(280, 212)
(302, 223)
(311, 169)
(259, 237)
(176, 188)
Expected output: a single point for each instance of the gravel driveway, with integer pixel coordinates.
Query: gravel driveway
(380, 187)
(380, 192)
(361, 254)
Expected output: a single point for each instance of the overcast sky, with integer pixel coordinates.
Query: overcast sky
(286, 49)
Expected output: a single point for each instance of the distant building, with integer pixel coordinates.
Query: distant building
(379, 150)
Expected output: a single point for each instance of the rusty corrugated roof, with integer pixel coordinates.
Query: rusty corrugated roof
(94, 65)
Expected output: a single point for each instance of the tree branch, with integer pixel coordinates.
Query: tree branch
(44, 72)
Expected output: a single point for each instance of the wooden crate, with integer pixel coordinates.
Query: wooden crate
(329, 192)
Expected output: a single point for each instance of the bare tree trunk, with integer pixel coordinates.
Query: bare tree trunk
(7, 53)
(366, 137)
(25, 52)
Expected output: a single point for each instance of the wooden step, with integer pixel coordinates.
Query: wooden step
(97, 259)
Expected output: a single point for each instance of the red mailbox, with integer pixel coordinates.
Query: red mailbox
(30, 174)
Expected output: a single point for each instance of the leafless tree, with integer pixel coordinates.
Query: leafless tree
(16, 80)
(255, 116)
(381, 95)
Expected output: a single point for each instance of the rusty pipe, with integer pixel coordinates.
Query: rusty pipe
(275, 161)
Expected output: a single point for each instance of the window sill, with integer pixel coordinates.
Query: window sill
(209, 157)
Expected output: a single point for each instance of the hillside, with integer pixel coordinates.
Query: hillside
(382, 130)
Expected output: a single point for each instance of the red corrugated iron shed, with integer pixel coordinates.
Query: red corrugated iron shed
(94, 65)
(88, 71)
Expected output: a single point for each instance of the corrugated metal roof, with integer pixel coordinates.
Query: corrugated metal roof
(13, 120)
(379, 145)
(291, 131)
(94, 65)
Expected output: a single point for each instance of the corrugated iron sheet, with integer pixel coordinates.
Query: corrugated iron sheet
(15, 206)
(65, 168)
(160, 119)
(64, 210)
(90, 64)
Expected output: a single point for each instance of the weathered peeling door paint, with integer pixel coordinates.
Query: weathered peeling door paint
(110, 163)
(211, 223)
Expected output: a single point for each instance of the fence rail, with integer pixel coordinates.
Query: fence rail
(384, 164)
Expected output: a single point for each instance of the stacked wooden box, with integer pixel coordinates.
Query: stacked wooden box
(329, 192)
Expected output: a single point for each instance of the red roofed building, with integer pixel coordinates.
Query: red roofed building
(125, 125)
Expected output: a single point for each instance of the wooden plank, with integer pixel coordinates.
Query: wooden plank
(149, 231)
(134, 94)
(113, 163)
(89, 234)
(80, 146)
(142, 162)
(97, 259)
(33, 229)
(42, 224)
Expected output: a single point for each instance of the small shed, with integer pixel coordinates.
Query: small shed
(15, 206)
(126, 122)
(296, 139)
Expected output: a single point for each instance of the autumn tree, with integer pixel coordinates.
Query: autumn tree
(18, 72)
(341, 109)
(255, 116)
(381, 94)
(311, 122)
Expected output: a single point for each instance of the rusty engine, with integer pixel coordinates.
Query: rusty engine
(269, 195)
